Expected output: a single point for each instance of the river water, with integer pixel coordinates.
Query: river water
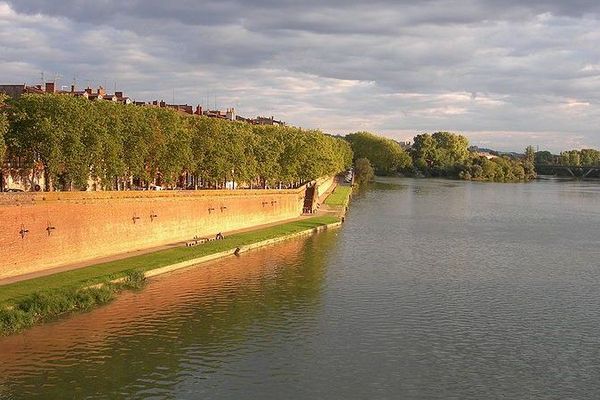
(431, 290)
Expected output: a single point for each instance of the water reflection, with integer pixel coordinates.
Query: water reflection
(183, 326)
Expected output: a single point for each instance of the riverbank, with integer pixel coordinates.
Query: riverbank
(23, 304)
(340, 197)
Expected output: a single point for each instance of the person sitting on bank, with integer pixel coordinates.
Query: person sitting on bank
(219, 236)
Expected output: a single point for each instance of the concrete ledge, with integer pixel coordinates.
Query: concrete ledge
(32, 198)
(234, 251)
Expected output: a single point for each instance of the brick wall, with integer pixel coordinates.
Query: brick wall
(323, 185)
(68, 227)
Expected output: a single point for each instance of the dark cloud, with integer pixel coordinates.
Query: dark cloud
(317, 15)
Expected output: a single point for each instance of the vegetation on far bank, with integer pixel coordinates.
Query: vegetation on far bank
(446, 154)
(441, 154)
(25, 303)
(575, 158)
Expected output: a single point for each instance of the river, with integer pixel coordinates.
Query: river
(432, 289)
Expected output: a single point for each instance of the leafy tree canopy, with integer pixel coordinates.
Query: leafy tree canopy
(75, 139)
(386, 155)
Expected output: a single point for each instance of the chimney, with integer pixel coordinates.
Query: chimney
(162, 103)
(72, 88)
(155, 102)
(119, 95)
(230, 114)
(50, 87)
(198, 110)
(101, 91)
(88, 90)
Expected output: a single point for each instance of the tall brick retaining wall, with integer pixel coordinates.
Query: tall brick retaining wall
(39, 231)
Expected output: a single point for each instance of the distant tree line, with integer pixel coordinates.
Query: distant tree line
(441, 154)
(576, 158)
(447, 155)
(74, 140)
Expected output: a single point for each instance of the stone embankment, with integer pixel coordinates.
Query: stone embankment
(44, 231)
(26, 302)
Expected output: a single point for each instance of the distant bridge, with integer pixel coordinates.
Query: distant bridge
(574, 171)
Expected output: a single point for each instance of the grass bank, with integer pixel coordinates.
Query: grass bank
(48, 304)
(339, 197)
(24, 304)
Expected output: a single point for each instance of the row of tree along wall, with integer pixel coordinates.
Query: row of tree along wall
(41, 231)
(67, 143)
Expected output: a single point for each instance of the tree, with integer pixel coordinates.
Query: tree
(451, 149)
(440, 154)
(572, 158)
(387, 156)
(528, 166)
(423, 152)
(544, 157)
(75, 140)
(590, 157)
(268, 150)
(35, 136)
(3, 129)
(530, 154)
(363, 171)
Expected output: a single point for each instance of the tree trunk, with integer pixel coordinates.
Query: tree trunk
(48, 187)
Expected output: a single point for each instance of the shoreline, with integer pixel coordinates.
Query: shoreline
(234, 251)
(23, 304)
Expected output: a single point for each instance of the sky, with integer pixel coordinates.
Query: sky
(505, 73)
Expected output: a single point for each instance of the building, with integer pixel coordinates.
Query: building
(15, 177)
(268, 121)
(485, 154)
(18, 90)
(15, 91)
(118, 97)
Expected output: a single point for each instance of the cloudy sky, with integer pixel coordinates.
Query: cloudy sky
(505, 73)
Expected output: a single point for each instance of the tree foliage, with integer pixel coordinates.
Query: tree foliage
(3, 128)
(363, 171)
(530, 154)
(580, 158)
(386, 155)
(498, 169)
(440, 154)
(544, 157)
(448, 155)
(76, 140)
